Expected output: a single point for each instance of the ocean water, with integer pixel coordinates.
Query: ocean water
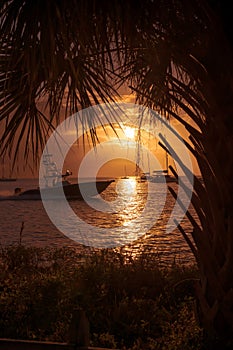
(131, 221)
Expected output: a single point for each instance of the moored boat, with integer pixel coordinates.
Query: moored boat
(162, 176)
(71, 191)
(54, 182)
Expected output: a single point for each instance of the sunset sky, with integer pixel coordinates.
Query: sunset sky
(114, 168)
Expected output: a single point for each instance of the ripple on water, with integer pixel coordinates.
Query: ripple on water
(40, 231)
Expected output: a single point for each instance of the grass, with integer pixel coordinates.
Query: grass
(131, 303)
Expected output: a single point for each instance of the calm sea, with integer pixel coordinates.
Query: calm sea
(39, 231)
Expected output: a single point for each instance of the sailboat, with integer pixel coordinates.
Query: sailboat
(160, 175)
(145, 176)
(4, 178)
(125, 176)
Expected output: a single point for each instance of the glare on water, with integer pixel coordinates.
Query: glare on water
(128, 197)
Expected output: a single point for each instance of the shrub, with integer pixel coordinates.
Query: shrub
(130, 303)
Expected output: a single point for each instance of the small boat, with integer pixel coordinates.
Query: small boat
(161, 176)
(144, 177)
(158, 176)
(54, 181)
(125, 176)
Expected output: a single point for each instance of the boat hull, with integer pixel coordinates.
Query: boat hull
(71, 191)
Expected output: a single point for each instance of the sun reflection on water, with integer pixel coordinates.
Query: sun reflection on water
(129, 200)
(127, 187)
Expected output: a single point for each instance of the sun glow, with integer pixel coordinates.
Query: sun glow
(129, 132)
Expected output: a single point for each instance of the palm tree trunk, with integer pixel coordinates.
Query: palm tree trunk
(213, 199)
(215, 246)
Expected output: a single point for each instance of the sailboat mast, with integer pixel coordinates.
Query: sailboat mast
(3, 168)
(166, 160)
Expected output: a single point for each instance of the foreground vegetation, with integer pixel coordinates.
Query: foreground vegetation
(130, 303)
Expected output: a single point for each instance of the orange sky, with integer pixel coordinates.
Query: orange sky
(116, 167)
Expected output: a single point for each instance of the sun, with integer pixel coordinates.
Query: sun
(129, 132)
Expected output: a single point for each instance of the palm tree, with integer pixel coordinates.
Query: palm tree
(169, 54)
(199, 81)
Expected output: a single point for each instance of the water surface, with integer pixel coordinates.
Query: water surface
(131, 194)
